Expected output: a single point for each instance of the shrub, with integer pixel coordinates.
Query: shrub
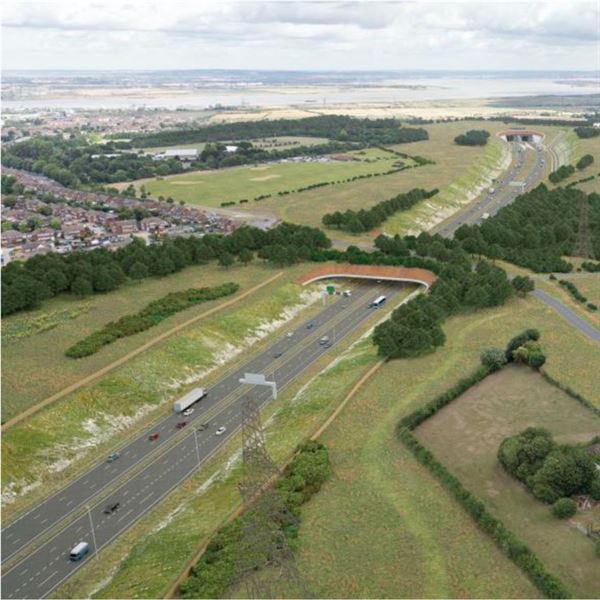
(536, 360)
(564, 508)
(493, 358)
(595, 487)
(585, 161)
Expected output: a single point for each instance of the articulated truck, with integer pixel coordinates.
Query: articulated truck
(190, 398)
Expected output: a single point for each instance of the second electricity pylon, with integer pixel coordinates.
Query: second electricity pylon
(266, 563)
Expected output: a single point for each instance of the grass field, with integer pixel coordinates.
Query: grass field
(33, 362)
(466, 435)
(145, 561)
(581, 147)
(210, 188)
(383, 526)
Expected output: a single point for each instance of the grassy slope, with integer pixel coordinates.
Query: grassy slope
(86, 424)
(144, 561)
(466, 436)
(383, 526)
(210, 188)
(35, 367)
(581, 147)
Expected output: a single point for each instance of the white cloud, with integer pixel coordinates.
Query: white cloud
(301, 34)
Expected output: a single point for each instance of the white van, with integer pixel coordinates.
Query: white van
(79, 551)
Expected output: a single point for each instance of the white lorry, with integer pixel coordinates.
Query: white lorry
(190, 398)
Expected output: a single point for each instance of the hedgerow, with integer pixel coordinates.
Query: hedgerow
(151, 315)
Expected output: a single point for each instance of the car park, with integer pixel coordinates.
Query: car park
(153, 436)
(187, 412)
(113, 457)
(220, 431)
(181, 424)
(111, 508)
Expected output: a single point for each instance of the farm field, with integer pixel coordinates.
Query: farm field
(145, 561)
(383, 526)
(33, 343)
(465, 436)
(210, 188)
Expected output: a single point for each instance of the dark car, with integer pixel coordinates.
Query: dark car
(111, 508)
(202, 427)
(277, 354)
(310, 325)
(181, 424)
(153, 436)
(113, 457)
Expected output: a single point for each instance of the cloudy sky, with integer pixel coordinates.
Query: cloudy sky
(290, 34)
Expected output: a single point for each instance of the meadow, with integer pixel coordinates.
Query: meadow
(210, 188)
(465, 436)
(383, 526)
(33, 361)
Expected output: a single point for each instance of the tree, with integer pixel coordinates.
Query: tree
(103, 280)
(493, 358)
(246, 256)
(82, 286)
(56, 280)
(564, 508)
(139, 270)
(522, 284)
(226, 260)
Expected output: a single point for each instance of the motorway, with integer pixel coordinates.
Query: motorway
(504, 193)
(35, 547)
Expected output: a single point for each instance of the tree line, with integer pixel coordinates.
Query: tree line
(26, 284)
(367, 219)
(536, 230)
(333, 127)
(561, 173)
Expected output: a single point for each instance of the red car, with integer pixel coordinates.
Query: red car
(153, 436)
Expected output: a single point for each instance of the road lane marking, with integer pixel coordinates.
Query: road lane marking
(125, 515)
(23, 573)
(48, 578)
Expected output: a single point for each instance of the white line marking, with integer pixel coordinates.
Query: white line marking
(47, 578)
(125, 515)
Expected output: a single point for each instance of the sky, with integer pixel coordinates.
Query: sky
(301, 35)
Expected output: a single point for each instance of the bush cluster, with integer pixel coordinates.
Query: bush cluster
(549, 470)
(367, 219)
(564, 508)
(572, 288)
(526, 349)
(215, 570)
(561, 173)
(584, 132)
(585, 161)
(151, 315)
(473, 137)
(591, 267)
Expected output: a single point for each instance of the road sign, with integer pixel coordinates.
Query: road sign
(259, 379)
(331, 290)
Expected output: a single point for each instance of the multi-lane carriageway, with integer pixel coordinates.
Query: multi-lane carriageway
(35, 547)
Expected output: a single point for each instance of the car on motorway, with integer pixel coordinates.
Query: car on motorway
(327, 345)
(324, 340)
(310, 325)
(347, 293)
(289, 334)
(181, 424)
(221, 431)
(202, 427)
(153, 436)
(111, 508)
(79, 551)
(187, 412)
(113, 457)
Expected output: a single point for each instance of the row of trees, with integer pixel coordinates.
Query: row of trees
(473, 137)
(148, 317)
(536, 230)
(333, 127)
(26, 284)
(561, 173)
(367, 219)
(215, 572)
(585, 132)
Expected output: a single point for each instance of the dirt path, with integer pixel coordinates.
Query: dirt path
(104, 370)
